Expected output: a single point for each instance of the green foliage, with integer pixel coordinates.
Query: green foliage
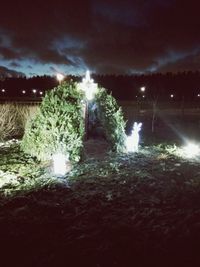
(59, 123)
(58, 126)
(112, 119)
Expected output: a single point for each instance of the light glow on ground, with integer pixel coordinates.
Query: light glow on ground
(191, 150)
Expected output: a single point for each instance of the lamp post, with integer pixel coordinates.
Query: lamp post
(141, 97)
(142, 90)
(90, 88)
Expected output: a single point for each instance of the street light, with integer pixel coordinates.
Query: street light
(60, 77)
(142, 89)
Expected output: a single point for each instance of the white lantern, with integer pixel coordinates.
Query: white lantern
(60, 164)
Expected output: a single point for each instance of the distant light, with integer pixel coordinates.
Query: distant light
(3, 90)
(34, 91)
(60, 77)
(143, 96)
(59, 164)
(142, 89)
(172, 96)
(191, 150)
(136, 96)
(198, 95)
(23, 92)
(132, 141)
(41, 93)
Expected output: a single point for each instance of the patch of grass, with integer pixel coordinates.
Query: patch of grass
(139, 209)
(20, 172)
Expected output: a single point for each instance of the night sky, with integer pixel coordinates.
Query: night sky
(107, 37)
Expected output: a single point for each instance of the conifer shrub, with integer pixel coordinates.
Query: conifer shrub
(58, 126)
(112, 120)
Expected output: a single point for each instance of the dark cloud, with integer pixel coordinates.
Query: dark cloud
(8, 53)
(106, 36)
(32, 74)
(54, 69)
(34, 25)
(191, 62)
(14, 64)
(6, 72)
(49, 56)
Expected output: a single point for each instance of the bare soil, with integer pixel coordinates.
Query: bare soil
(95, 148)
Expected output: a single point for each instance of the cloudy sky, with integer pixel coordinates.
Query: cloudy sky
(106, 36)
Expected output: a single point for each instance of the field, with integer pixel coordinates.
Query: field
(113, 210)
(172, 122)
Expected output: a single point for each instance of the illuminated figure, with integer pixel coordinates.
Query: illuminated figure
(132, 141)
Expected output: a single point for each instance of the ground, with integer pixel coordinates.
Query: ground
(139, 209)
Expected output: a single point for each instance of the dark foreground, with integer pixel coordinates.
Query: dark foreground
(128, 210)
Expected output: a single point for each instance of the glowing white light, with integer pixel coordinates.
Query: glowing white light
(143, 96)
(3, 90)
(142, 89)
(23, 92)
(59, 164)
(172, 96)
(41, 93)
(198, 95)
(191, 150)
(34, 91)
(88, 86)
(59, 77)
(132, 141)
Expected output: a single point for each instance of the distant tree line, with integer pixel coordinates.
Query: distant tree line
(180, 85)
(183, 85)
